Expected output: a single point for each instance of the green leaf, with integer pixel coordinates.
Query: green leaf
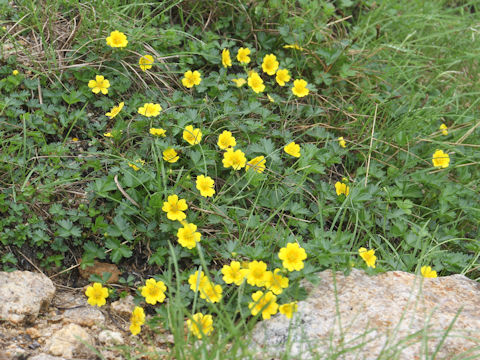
(156, 200)
(104, 185)
(119, 250)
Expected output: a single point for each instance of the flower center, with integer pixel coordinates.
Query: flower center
(154, 291)
(292, 256)
(188, 235)
(257, 273)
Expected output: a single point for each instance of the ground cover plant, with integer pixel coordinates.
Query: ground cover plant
(219, 153)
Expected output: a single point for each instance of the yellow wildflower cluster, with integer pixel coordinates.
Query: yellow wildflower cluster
(268, 284)
(254, 273)
(153, 292)
(236, 159)
(271, 67)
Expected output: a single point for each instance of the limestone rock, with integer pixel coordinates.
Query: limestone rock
(70, 299)
(123, 307)
(14, 352)
(23, 295)
(84, 316)
(110, 338)
(392, 315)
(45, 357)
(70, 341)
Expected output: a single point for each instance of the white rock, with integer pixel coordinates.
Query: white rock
(392, 314)
(123, 307)
(72, 340)
(110, 338)
(23, 295)
(84, 316)
(12, 351)
(45, 357)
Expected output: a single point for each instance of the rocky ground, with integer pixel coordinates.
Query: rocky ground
(394, 315)
(40, 322)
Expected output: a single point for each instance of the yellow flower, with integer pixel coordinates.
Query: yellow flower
(149, 109)
(137, 319)
(270, 64)
(234, 273)
(154, 291)
(210, 292)
(440, 159)
(235, 159)
(197, 278)
(239, 82)
(115, 110)
(188, 236)
(175, 208)
(292, 149)
(242, 55)
(256, 82)
(293, 46)
(226, 140)
(134, 166)
(146, 62)
(300, 88)
(271, 99)
(100, 84)
(200, 325)
(341, 188)
(276, 282)
(257, 164)
(257, 273)
(427, 272)
(342, 142)
(157, 132)
(107, 134)
(75, 139)
(368, 256)
(226, 60)
(288, 309)
(191, 135)
(444, 129)
(266, 303)
(205, 184)
(15, 72)
(96, 294)
(282, 77)
(117, 39)
(292, 256)
(191, 79)
(170, 155)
